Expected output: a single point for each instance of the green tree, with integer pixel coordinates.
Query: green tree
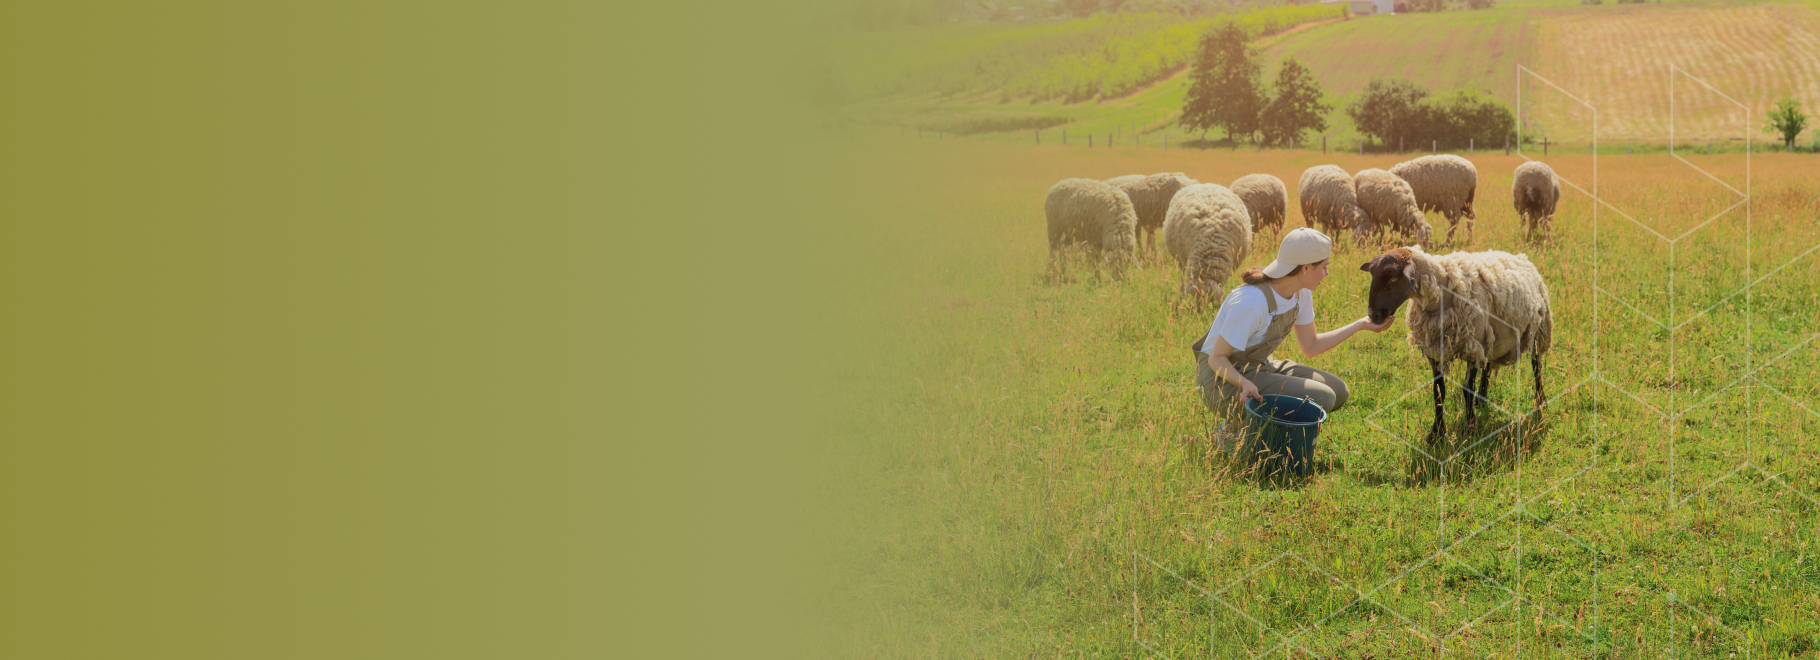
(1297, 107)
(1386, 109)
(1224, 91)
(1786, 118)
(1474, 114)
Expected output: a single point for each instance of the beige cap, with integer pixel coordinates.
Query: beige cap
(1302, 246)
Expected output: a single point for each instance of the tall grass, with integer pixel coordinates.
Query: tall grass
(1032, 470)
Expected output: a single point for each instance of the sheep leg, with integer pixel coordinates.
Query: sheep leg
(1535, 367)
(1466, 393)
(1485, 384)
(1440, 390)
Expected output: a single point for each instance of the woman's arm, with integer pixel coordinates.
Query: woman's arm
(1313, 344)
(1220, 360)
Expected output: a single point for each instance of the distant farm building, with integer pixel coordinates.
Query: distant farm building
(1366, 7)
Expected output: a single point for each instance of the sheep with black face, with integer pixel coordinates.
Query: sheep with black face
(1486, 308)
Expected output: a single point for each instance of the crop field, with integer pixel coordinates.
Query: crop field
(1033, 474)
(1757, 53)
(1442, 50)
(1106, 56)
(1617, 56)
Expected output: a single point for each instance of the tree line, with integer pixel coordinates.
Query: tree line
(1226, 91)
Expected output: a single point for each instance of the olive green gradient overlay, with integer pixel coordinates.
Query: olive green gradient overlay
(441, 330)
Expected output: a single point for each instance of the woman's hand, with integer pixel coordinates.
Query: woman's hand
(1366, 324)
(1249, 390)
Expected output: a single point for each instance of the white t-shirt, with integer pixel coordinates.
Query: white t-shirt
(1244, 318)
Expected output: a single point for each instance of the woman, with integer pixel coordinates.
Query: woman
(1234, 357)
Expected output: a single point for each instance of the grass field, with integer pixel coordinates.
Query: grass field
(1034, 476)
(1620, 59)
(1616, 57)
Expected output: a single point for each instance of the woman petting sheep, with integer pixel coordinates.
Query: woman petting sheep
(1233, 358)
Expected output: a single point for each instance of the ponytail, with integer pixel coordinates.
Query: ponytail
(1255, 274)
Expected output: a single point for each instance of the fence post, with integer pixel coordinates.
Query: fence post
(1434, 146)
(1039, 137)
(1165, 140)
(1507, 144)
(1323, 145)
(1399, 146)
(1064, 137)
(1544, 146)
(1469, 146)
(1089, 140)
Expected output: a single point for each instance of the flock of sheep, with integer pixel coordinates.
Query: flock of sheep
(1485, 308)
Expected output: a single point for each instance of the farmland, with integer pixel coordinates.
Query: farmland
(1617, 56)
(1756, 53)
(1036, 478)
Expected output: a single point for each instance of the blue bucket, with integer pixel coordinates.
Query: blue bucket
(1280, 432)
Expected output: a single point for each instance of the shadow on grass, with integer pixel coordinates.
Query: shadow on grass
(1270, 470)
(1486, 447)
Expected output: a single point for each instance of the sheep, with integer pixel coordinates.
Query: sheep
(1534, 191)
(1089, 211)
(1150, 195)
(1389, 203)
(1443, 184)
(1486, 308)
(1266, 200)
(1328, 198)
(1208, 231)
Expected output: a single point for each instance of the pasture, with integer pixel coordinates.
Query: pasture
(1032, 474)
(966, 79)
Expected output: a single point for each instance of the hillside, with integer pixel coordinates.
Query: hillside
(1614, 56)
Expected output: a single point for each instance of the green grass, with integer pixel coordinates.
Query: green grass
(1022, 452)
(1441, 50)
(1105, 56)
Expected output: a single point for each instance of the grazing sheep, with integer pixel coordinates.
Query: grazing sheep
(1328, 199)
(1150, 195)
(1443, 184)
(1487, 308)
(1208, 232)
(1266, 200)
(1389, 204)
(1091, 212)
(1534, 190)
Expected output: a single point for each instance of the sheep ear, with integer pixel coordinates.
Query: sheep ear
(1409, 273)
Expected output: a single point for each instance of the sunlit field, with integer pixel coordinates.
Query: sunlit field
(1000, 83)
(1619, 61)
(1032, 469)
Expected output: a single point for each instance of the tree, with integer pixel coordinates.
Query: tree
(1786, 118)
(1427, 5)
(1297, 107)
(1386, 109)
(1476, 115)
(1224, 91)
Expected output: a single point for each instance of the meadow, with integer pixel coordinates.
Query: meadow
(1031, 472)
(978, 80)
